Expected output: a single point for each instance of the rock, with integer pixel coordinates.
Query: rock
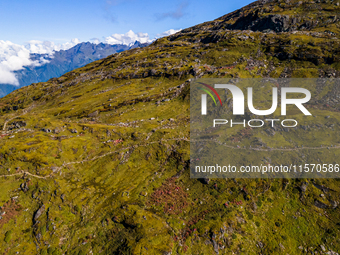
(46, 130)
(24, 187)
(205, 180)
(38, 213)
(270, 131)
(281, 246)
(93, 114)
(303, 187)
(319, 204)
(254, 206)
(152, 72)
(16, 125)
(240, 220)
(321, 187)
(74, 131)
(143, 193)
(57, 130)
(54, 169)
(322, 248)
(215, 246)
(38, 236)
(62, 197)
(260, 244)
(269, 23)
(334, 204)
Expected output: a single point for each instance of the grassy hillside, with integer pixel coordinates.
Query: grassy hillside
(97, 161)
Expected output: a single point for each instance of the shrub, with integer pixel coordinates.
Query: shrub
(8, 236)
(250, 215)
(259, 203)
(273, 188)
(77, 208)
(50, 250)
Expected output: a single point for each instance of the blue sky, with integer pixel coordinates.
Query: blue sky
(60, 21)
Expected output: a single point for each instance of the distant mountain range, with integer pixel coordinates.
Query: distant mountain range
(64, 61)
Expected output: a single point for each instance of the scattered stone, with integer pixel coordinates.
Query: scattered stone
(205, 180)
(57, 130)
(215, 246)
(62, 197)
(143, 193)
(24, 187)
(46, 130)
(303, 187)
(54, 169)
(254, 206)
(260, 244)
(38, 213)
(319, 204)
(93, 114)
(334, 204)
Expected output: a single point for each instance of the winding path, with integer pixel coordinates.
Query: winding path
(162, 140)
(92, 159)
(269, 149)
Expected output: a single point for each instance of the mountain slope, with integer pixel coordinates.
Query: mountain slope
(96, 161)
(64, 61)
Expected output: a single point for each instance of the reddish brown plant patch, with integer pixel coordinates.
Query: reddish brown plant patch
(9, 211)
(171, 195)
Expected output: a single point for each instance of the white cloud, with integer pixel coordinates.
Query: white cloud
(46, 47)
(128, 38)
(167, 33)
(95, 40)
(14, 57)
(131, 37)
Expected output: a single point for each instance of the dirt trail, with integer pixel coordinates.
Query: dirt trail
(92, 159)
(27, 173)
(165, 140)
(269, 149)
(23, 113)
